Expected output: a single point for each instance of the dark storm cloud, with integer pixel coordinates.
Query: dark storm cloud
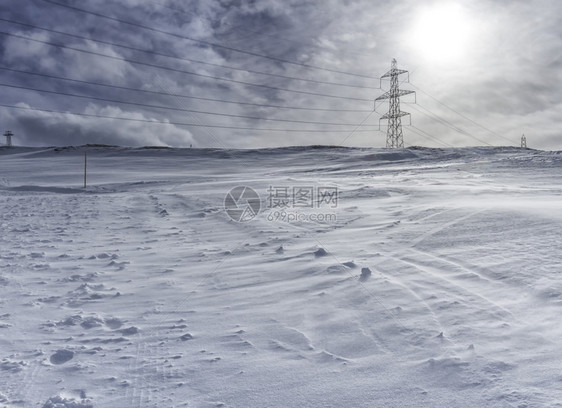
(41, 128)
(508, 79)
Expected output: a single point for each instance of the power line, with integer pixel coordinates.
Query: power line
(180, 123)
(178, 95)
(180, 70)
(208, 43)
(181, 103)
(186, 59)
(448, 124)
(144, 105)
(423, 133)
(434, 116)
(261, 33)
(445, 122)
(462, 115)
(356, 128)
(451, 126)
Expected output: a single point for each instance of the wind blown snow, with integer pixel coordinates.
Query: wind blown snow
(432, 279)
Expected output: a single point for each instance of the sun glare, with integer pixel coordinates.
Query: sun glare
(441, 33)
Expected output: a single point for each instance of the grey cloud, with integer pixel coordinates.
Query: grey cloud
(38, 128)
(511, 77)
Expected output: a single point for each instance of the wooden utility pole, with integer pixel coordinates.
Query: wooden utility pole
(85, 167)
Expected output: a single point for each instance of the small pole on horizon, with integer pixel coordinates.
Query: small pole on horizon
(85, 167)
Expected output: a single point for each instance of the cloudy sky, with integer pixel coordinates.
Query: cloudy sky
(261, 73)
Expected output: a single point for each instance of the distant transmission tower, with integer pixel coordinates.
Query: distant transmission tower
(394, 136)
(8, 135)
(523, 142)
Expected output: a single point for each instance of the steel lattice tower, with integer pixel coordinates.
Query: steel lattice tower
(394, 136)
(8, 136)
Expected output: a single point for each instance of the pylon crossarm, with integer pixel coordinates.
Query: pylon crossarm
(410, 116)
(388, 95)
(403, 92)
(385, 95)
(394, 72)
(394, 115)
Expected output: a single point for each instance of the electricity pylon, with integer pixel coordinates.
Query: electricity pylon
(8, 136)
(394, 136)
(523, 142)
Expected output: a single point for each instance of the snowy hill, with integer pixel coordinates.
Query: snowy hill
(368, 277)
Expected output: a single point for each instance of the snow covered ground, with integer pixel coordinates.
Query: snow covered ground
(141, 291)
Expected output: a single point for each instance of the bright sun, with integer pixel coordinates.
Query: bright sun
(441, 33)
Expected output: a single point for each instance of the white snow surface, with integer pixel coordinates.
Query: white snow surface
(140, 291)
